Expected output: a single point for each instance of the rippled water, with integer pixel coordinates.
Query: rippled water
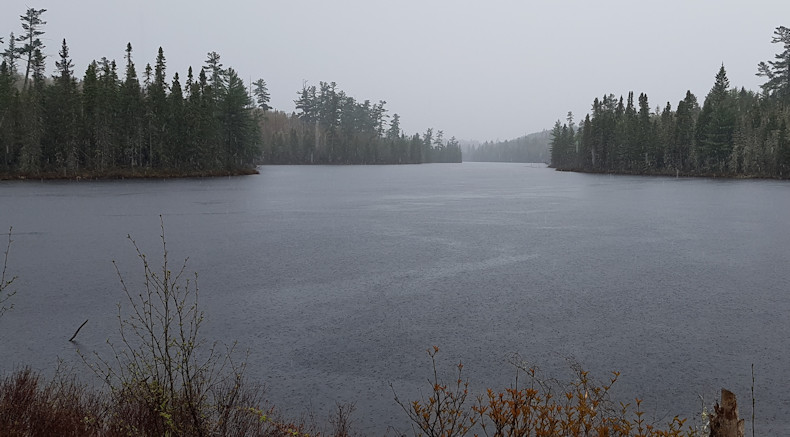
(337, 279)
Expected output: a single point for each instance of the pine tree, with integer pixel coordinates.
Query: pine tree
(777, 72)
(31, 24)
(261, 93)
(216, 75)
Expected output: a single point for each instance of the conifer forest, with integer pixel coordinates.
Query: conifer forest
(732, 132)
(119, 120)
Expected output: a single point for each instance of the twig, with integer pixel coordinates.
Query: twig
(78, 330)
(752, 399)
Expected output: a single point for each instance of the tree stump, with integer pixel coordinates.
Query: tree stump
(725, 422)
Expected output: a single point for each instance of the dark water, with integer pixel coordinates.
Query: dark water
(337, 279)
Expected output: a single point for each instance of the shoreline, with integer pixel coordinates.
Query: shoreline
(127, 174)
(670, 175)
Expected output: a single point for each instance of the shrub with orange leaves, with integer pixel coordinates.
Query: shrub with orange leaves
(542, 408)
(443, 413)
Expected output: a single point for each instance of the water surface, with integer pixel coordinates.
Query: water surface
(337, 279)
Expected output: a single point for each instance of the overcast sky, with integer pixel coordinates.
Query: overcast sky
(479, 70)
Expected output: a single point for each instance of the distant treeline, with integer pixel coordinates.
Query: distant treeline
(734, 133)
(333, 128)
(111, 124)
(528, 148)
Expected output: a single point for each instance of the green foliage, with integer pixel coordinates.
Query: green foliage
(777, 72)
(734, 132)
(31, 25)
(332, 127)
(261, 92)
(106, 125)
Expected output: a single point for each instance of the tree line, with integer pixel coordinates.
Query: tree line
(734, 132)
(114, 124)
(331, 127)
(108, 123)
(528, 148)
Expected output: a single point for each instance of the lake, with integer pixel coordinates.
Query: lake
(337, 279)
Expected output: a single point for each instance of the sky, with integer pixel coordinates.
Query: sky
(478, 70)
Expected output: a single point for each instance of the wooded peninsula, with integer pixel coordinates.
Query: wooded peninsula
(208, 123)
(735, 133)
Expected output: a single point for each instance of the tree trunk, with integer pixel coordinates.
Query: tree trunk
(725, 422)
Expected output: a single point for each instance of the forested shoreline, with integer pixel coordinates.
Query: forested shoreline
(333, 128)
(734, 133)
(109, 124)
(533, 147)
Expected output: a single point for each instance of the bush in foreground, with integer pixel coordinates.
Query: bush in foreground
(580, 407)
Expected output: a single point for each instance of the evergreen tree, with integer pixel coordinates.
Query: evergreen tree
(778, 72)
(176, 148)
(31, 118)
(716, 125)
(216, 75)
(394, 130)
(10, 55)
(106, 154)
(90, 116)
(238, 129)
(7, 93)
(157, 113)
(31, 24)
(62, 109)
(261, 93)
(307, 104)
(646, 139)
(685, 127)
(427, 140)
(131, 112)
(665, 137)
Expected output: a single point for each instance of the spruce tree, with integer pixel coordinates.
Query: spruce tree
(62, 109)
(716, 125)
(157, 112)
(10, 55)
(236, 121)
(131, 113)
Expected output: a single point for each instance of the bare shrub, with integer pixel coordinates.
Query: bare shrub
(5, 280)
(165, 379)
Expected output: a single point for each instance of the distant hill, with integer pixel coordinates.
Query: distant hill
(533, 147)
